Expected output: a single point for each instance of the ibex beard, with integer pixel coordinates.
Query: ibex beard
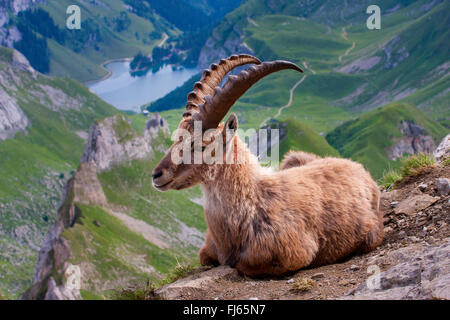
(313, 211)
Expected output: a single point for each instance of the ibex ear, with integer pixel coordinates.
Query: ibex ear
(230, 127)
(232, 122)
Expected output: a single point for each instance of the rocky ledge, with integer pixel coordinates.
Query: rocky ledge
(112, 141)
(412, 263)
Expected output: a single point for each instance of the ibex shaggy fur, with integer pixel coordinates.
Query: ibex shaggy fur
(313, 211)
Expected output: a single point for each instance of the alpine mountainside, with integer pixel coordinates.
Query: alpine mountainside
(382, 137)
(349, 69)
(112, 226)
(44, 125)
(109, 29)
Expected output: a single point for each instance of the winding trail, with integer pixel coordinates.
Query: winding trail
(344, 36)
(164, 39)
(291, 96)
(253, 22)
(347, 51)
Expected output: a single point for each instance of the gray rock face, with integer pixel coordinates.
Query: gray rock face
(443, 150)
(420, 272)
(415, 203)
(84, 188)
(414, 141)
(154, 125)
(20, 62)
(12, 118)
(217, 48)
(443, 186)
(19, 5)
(9, 35)
(55, 292)
(112, 141)
(4, 18)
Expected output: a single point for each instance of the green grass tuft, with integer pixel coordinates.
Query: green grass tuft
(410, 166)
(148, 291)
(390, 178)
(413, 165)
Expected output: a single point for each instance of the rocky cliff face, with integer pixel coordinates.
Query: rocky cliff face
(12, 118)
(10, 34)
(223, 44)
(112, 142)
(19, 5)
(414, 141)
(442, 152)
(84, 188)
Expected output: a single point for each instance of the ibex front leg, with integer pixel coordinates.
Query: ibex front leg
(208, 254)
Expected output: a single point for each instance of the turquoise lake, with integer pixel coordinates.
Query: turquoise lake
(129, 93)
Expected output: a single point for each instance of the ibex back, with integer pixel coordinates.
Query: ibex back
(313, 211)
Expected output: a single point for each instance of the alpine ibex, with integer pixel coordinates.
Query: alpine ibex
(313, 211)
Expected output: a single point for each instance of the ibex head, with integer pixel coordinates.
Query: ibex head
(206, 106)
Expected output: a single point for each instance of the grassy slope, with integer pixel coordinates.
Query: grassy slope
(114, 45)
(365, 139)
(302, 137)
(113, 251)
(116, 254)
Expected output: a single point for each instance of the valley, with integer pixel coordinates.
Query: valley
(67, 199)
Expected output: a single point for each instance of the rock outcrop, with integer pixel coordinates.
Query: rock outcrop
(112, 141)
(19, 5)
(10, 34)
(223, 44)
(51, 266)
(12, 118)
(154, 126)
(419, 272)
(442, 152)
(414, 140)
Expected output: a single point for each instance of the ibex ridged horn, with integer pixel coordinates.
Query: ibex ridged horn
(214, 109)
(212, 77)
